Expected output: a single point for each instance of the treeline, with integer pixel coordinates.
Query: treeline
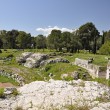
(87, 37)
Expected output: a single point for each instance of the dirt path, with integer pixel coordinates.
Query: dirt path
(3, 85)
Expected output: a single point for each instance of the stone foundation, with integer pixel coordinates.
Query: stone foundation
(94, 70)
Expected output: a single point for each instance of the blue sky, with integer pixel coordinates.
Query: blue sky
(38, 16)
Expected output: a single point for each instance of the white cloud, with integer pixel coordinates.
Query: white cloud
(47, 31)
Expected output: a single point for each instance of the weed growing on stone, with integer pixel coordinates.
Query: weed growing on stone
(19, 108)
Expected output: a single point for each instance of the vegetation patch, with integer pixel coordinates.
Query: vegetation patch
(63, 68)
(2, 95)
(4, 79)
(57, 69)
(102, 81)
(77, 107)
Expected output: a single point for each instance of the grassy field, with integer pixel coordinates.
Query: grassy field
(56, 69)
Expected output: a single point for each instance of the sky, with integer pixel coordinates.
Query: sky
(41, 16)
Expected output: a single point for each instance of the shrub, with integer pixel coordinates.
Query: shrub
(105, 49)
(15, 92)
(76, 107)
(19, 108)
(2, 95)
(10, 56)
(102, 81)
(47, 68)
(0, 51)
(102, 99)
(82, 84)
(5, 49)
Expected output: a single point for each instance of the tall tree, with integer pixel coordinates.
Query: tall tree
(88, 33)
(11, 38)
(3, 34)
(106, 35)
(23, 40)
(75, 42)
(55, 39)
(66, 40)
(40, 42)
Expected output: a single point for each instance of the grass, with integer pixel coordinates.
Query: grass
(77, 107)
(4, 79)
(102, 81)
(56, 69)
(2, 93)
(98, 59)
(62, 68)
(102, 99)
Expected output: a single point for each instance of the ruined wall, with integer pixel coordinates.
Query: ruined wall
(94, 70)
(108, 70)
(14, 76)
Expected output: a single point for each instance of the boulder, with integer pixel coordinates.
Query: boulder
(35, 59)
(9, 90)
(75, 75)
(23, 57)
(63, 76)
(55, 60)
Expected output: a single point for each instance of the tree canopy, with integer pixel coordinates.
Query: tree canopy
(86, 37)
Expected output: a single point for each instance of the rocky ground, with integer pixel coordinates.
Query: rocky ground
(33, 60)
(59, 95)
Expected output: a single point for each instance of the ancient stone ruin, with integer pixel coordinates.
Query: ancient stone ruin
(108, 71)
(33, 60)
(14, 76)
(94, 70)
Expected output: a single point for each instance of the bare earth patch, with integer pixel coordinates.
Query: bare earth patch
(3, 85)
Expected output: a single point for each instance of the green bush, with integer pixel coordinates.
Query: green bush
(10, 56)
(0, 51)
(105, 49)
(2, 95)
(15, 92)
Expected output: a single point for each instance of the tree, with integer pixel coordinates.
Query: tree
(50, 41)
(55, 40)
(23, 40)
(88, 33)
(33, 42)
(105, 49)
(1, 43)
(75, 42)
(66, 39)
(106, 35)
(40, 42)
(3, 38)
(11, 38)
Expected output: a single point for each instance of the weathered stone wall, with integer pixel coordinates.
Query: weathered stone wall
(14, 76)
(108, 70)
(94, 70)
